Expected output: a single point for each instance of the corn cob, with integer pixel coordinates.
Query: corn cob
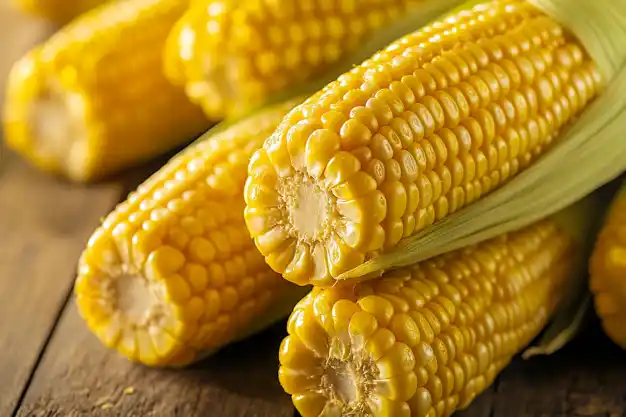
(426, 339)
(429, 125)
(608, 271)
(93, 99)
(172, 273)
(59, 11)
(231, 56)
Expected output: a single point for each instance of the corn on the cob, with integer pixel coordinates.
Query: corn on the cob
(231, 56)
(172, 273)
(59, 11)
(93, 99)
(426, 339)
(440, 118)
(608, 271)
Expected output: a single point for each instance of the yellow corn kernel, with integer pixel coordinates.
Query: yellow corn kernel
(85, 104)
(607, 269)
(172, 272)
(59, 11)
(231, 55)
(450, 113)
(424, 340)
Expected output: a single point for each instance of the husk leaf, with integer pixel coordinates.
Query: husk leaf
(582, 221)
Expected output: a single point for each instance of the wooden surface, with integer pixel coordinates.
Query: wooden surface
(51, 366)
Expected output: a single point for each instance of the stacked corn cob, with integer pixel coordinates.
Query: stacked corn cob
(93, 99)
(431, 124)
(434, 122)
(423, 128)
(608, 271)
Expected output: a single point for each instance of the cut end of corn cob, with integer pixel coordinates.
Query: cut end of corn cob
(608, 272)
(232, 56)
(85, 105)
(172, 273)
(440, 118)
(423, 341)
(45, 120)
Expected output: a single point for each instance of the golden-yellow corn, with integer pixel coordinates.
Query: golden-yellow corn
(424, 340)
(93, 99)
(427, 126)
(608, 271)
(59, 11)
(172, 273)
(233, 55)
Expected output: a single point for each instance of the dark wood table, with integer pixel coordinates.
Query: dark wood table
(50, 365)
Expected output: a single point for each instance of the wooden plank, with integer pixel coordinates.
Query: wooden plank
(79, 377)
(44, 224)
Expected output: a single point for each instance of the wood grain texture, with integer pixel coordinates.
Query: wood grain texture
(50, 365)
(79, 377)
(44, 224)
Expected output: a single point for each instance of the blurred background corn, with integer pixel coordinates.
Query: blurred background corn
(424, 340)
(608, 271)
(172, 273)
(233, 55)
(93, 99)
(58, 11)
(438, 119)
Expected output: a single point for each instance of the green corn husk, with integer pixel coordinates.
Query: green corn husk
(582, 221)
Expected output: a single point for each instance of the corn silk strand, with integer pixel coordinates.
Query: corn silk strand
(591, 152)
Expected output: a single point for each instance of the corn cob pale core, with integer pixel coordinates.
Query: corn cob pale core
(172, 272)
(93, 99)
(424, 340)
(427, 126)
(608, 272)
(234, 55)
(59, 11)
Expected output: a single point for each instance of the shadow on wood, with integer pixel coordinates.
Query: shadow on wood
(79, 377)
(256, 358)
